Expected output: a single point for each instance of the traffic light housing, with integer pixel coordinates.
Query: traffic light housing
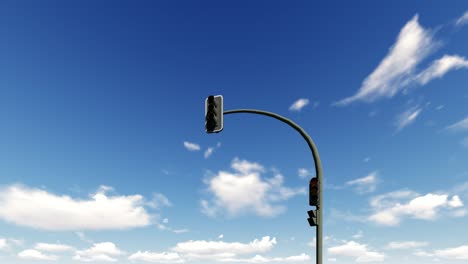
(214, 114)
(312, 218)
(314, 192)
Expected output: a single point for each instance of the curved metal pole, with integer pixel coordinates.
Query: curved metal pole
(318, 167)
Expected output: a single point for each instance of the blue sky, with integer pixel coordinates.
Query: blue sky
(104, 157)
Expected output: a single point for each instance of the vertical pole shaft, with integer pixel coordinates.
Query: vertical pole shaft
(318, 169)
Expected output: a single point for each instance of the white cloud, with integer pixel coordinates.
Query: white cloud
(3, 244)
(83, 238)
(440, 67)
(260, 259)
(180, 231)
(208, 152)
(159, 201)
(463, 19)
(221, 250)
(365, 184)
(244, 191)
(422, 253)
(191, 146)
(220, 236)
(461, 125)
(43, 210)
(303, 173)
(407, 117)
(414, 43)
(358, 235)
(360, 252)
(458, 253)
(299, 104)
(106, 251)
(155, 257)
(52, 247)
(31, 254)
(455, 202)
(391, 211)
(407, 244)
(313, 243)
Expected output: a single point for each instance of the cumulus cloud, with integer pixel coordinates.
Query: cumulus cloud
(299, 104)
(457, 253)
(245, 191)
(407, 117)
(31, 254)
(104, 252)
(191, 146)
(41, 209)
(365, 184)
(261, 259)
(360, 252)
(391, 209)
(52, 247)
(463, 19)
(440, 67)
(407, 244)
(221, 250)
(414, 43)
(156, 257)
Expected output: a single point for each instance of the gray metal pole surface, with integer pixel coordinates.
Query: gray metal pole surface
(318, 169)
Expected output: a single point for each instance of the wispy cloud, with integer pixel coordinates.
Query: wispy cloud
(440, 67)
(407, 244)
(52, 247)
(461, 125)
(414, 43)
(464, 142)
(32, 254)
(360, 252)
(463, 19)
(156, 257)
(299, 104)
(407, 117)
(358, 235)
(303, 173)
(43, 210)
(210, 150)
(244, 190)
(8, 243)
(365, 184)
(398, 70)
(159, 201)
(191, 146)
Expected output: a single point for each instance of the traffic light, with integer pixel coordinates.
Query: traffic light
(314, 192)
(312, 218)
(214, 114)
